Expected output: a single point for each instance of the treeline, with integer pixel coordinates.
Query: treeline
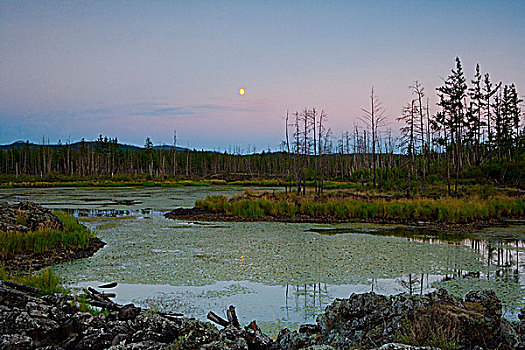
(476, 136)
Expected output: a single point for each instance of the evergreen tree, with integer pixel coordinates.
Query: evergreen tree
(451, 99)
(474, 120)
(488, 92)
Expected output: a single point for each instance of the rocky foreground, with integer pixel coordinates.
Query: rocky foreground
(29, 321)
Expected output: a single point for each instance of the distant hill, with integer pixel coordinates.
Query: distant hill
(90, 144)
(169, 147)
(21, 144)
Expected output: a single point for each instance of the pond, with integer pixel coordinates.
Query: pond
(280, 274)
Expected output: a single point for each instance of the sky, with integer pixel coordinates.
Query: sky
(137, 69)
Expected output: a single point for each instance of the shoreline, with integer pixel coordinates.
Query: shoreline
(24, 262)
(199, 214)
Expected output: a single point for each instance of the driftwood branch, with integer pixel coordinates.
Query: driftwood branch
(103, 297)
(212, 316)
(170, 314)
(23, 288)
(105, 305)
(232, 318)
(108, 285)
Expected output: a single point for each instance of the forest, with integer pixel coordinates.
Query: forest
(475, 137)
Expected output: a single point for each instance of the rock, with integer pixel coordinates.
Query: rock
(13, 298)
(488, 300)
(15, 341)
(128, 312)
(309, 329)
(371, 320)
(143, 345)
(256, 339)
(519, 328)
(28, 321)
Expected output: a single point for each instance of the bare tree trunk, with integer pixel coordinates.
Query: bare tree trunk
(374, 118)
(287, 154)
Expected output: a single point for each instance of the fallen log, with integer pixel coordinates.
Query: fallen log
(232, 317)
(212, 316)
(108, 285)
(105, 305)
(170, 314)
(96, 295)
(21, 287)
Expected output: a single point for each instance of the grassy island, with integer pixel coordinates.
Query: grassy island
(344, 206)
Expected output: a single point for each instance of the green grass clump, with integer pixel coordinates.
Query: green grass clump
(83, 305)
(74, 235)
(45, 280)
(21, 220)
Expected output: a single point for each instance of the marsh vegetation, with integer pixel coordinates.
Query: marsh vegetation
(343, 206)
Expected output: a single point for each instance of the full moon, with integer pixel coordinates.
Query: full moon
(241, 91)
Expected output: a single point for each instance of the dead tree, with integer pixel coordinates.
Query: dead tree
(374, 118)
(419, 92)
(407, 131)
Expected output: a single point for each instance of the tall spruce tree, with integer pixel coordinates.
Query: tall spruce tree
(451, 99)
(488, 92)
(474, 120)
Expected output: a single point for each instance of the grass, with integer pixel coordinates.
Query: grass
(36, 182)
(338, 206)
(83, 305)
(74, 235)
(429, 329)
(450, 327)
(45, 280)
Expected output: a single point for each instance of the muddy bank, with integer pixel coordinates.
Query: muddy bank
(36, 261)
(30, 321)
(26, 217)
(199, 214)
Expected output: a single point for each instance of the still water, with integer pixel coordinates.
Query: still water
(281, 274)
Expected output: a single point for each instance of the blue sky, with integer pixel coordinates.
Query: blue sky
(131, 69)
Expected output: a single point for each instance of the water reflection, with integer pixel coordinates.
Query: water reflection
(111, 213)
(503, 258)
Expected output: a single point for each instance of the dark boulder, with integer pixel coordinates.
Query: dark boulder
(437, 319)
(27, 216)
